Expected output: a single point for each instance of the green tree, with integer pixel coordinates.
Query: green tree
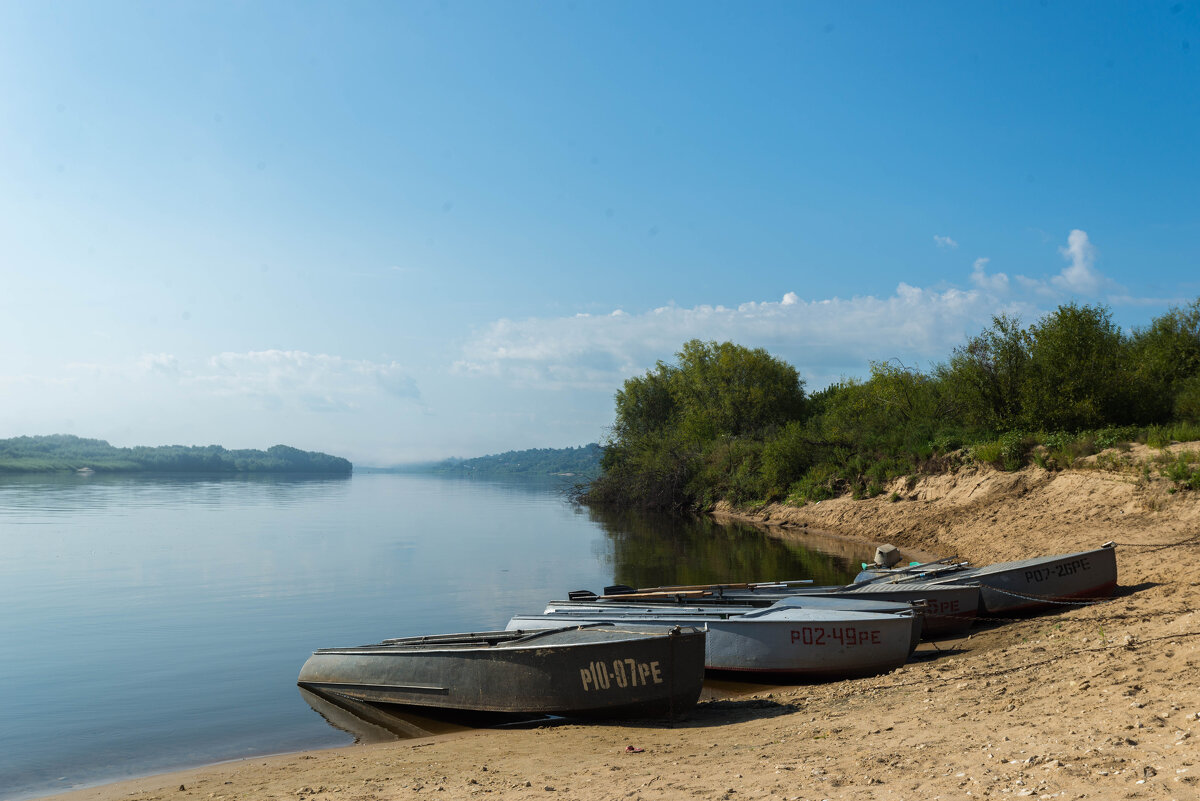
(675, 442)
(911, 401)
(787, 457)
(1187, 400)
(1076, 371)
(987, 374)
(729, 390)
(1164, 356)
(645, 404)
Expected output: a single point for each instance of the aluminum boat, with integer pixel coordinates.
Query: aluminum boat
(949, 609)
(1026, 585)
(573, 668)
(786, 639)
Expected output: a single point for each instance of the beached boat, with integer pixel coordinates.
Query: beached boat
(785, 639)
(571, 669)
(1026, 585)
(949, 610)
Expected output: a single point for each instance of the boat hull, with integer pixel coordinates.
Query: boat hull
(583, 671)
(1029, 585)
(949, 610)
(791, 642)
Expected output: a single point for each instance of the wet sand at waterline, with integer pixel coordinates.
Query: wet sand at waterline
(1095, 701)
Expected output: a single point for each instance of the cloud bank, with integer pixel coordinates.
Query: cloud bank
(825, 339)
(274, 379)
(318, 381)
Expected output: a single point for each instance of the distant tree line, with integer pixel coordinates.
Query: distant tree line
(583, 461)
(64, 452)
(728, 422)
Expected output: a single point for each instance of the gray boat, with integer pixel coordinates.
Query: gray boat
(786, 640)
(1026, 585)
(948, 610)
(571, 670)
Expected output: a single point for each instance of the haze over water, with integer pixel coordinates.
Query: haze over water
(158, 623)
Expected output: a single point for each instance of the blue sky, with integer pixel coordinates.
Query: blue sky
(401, 231)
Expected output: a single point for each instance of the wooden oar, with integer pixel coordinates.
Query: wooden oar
(691, 590)
(660, 594)
(947, 562)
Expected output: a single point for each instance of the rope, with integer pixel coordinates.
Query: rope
(1048, 599)
(1159, 546)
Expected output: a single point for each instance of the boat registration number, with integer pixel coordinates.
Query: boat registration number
(843, 635)
(620, 672)
(936, 607)
(1058, 571)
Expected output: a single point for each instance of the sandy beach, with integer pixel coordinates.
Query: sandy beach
(1096, 701)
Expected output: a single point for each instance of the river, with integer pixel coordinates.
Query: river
(150, 624)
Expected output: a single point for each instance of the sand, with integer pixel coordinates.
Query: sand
(1096, 701)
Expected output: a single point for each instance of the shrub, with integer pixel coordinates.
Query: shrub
(819, 484)
(1158, 436)
(1187, 400)
(1182, 473)
(1112, 437)
(786, 457)
(731, 471)
(1009, 452)
(987, 452)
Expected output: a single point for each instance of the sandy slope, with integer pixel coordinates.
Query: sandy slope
(1093, 702)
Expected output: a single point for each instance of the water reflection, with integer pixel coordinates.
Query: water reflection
(49, 494)
(375, 723)
(656, 550)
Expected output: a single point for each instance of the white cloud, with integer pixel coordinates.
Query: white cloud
(1080, 276)
(945, 242)
(995, 283)
(159, 363)
(824, 338)
(316, 381)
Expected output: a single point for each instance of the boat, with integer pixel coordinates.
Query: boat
(949, 610)
(1026, 585)
(632, 608)
(786, 640)
(571, 670)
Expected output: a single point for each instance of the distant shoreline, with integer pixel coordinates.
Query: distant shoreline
(66, 454)
(582, 463)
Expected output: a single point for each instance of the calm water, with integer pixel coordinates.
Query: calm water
(151, 624)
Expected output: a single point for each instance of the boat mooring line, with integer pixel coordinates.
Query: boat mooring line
(1159, 546)
(1052, 599)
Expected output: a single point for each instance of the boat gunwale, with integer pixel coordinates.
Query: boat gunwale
(519, 640)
